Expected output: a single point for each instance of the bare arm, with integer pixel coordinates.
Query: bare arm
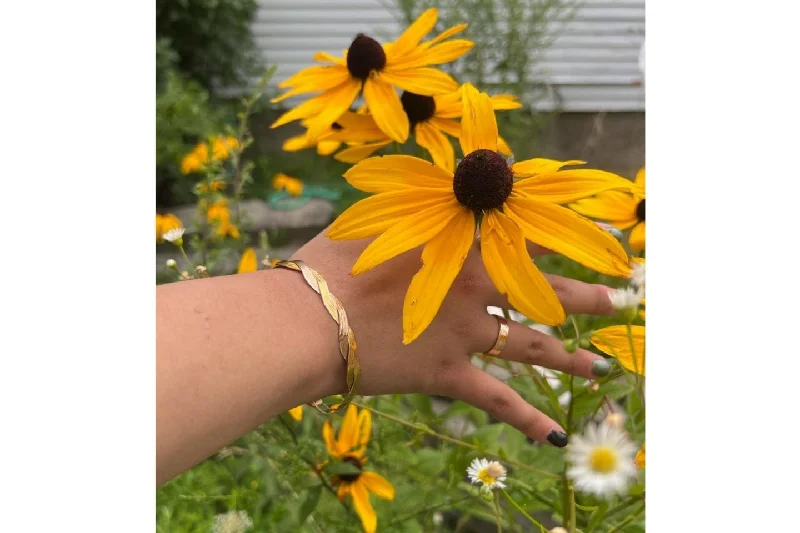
(234, 351)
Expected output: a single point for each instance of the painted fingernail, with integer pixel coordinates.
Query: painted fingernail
(601, 367)
(557, 438)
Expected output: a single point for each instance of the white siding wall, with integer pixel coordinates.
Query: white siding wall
(592, 65)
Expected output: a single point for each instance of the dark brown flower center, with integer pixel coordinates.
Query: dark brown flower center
(336, 126)
(349, 478)
(365, 55)
(640, 211)
(483, 180)
(418, 108)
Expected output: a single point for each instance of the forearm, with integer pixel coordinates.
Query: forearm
(232, 352)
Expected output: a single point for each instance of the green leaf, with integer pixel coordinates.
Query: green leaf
(420, 402)
(430, 462)
(310, 503)
(546, 483)
(597, 517)
(488, 436)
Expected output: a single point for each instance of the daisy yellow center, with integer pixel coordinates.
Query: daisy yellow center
(487, 478)
(483, 180)
(603, 459)
(640, 211)
(350, 478)
(419, 108)
(365, 55)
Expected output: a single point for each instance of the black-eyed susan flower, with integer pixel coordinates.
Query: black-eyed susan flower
(601, 460)
(419, 203)
(489, 474)
(350, 447)
(615, 342)
(431, 119)
(621, 209)
(360, 124)
(282, 182)
(248, 262)
(164, 223)
(375, 70)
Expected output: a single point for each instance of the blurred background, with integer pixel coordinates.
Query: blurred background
(574, 64)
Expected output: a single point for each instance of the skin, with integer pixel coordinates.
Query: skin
(235, 351)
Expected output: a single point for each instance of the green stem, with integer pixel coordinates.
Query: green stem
(519, 508)
(627, 521)
(185, 257)
(452, 440)
(497, 515)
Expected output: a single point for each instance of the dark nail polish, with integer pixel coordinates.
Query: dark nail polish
(601, 367)
(557, 438)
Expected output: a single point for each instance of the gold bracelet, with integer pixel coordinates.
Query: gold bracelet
(347, 339)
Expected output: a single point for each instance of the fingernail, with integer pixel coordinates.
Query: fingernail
(557, 438)
(601, 367)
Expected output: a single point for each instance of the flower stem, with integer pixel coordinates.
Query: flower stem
(452, 440)
(497, 515)
(185, 257)
(627, 521)
(519, 508)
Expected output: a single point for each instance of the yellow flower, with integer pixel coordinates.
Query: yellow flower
(297, 413)
(282, 182)
(219, 214)
(248, 262)
(164, 223)
(215, 185)
(350, 448)
(639, 459)
(614, 341)
(430, 117)
(356, 126)
(223, 146)
(375, 69)
(196, 160)
(419, 203)
(621, 209)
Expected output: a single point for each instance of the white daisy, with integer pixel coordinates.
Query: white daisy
(174, 234)
(601, 460)
(625, 299)
(637, 275)
(490, 473)
(232, 522)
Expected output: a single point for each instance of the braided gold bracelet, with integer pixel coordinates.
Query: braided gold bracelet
(347, 339)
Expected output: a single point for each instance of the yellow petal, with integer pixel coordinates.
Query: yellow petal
(364, 431)
(506, 259)
(248, 262)
(354, 154)
(330, 442)
(612, 206)
(478, 123)
(424, 81)
(369, 520)
(448, 105)
(410, 38)
(614, 341)
(449, 32)
(343, 490)
(636, 239)
(538, 165)
(413, 231)
(327, 75)
(395, 172)
(568, 186)
(374, 215)
(640, 179)
(434, 55)
(311, 107)
(567, 233)
(450, 127)
(437, 144)
(326, 57)
(639, 459)
(327, 147)
(349, 430)
(377, 484)
(297, 143)
(339, 101)
(386, 109)
(297, 413)
(503, 102)
(503, 147)
(442, 259)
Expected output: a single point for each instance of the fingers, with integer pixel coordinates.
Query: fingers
(576, 296)
(501, 402)
(526, 345)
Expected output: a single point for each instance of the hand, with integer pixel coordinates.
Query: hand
(438, 362)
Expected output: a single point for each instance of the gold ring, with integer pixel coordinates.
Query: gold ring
(502, 337)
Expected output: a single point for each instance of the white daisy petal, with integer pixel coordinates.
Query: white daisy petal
(601, 461)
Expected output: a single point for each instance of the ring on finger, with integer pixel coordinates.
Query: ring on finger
(502, 337)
